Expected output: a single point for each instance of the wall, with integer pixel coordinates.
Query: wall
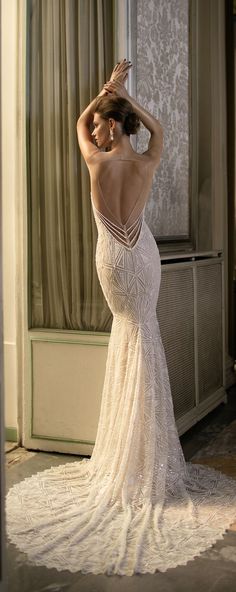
(163, 88)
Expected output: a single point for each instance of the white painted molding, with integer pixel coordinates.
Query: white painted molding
(9, 119)
(2, 443)
(21, 229)
(121, 29)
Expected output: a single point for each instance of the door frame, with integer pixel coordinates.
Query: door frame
(2, 452)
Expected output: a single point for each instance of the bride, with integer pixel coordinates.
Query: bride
(135, 506)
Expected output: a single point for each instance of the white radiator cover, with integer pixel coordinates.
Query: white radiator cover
(191, 316)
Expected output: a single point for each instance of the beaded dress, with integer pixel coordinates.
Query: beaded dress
(135, 506)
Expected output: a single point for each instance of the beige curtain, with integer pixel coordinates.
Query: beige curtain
(70, 55)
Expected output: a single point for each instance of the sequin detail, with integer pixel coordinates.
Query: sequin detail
(136, 506)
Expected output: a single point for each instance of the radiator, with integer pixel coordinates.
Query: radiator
(190, 311)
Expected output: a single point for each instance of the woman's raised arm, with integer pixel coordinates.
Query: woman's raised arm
(86, 144)
(84, 135)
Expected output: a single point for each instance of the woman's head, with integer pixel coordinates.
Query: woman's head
(113, 114)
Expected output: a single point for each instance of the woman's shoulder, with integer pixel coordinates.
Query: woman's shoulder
(100, 157)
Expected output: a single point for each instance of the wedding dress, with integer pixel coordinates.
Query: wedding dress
(135, 506)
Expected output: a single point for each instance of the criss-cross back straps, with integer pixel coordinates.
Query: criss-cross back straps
(125, 234)
(109, 210)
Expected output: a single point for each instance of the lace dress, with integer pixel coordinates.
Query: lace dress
(135, 506)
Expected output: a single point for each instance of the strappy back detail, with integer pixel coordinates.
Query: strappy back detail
(124, 228)
(125, 234)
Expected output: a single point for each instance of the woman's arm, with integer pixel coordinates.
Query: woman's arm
(84, 122)
(86, 144)
(155, 144)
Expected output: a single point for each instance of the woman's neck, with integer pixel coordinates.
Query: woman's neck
(122, 145)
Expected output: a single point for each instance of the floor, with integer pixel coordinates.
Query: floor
(213, 440)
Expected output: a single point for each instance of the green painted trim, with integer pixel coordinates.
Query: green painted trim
(58, 439)
(11, 435)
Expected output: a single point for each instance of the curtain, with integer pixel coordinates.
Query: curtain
(70, 49)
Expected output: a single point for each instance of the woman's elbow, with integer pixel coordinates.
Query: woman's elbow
(79, 121)
(159, 128)
(158, 132)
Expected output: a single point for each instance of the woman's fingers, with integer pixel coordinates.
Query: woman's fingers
(123, 65)
(120, 71)
(109, 88)
(120, 76)
(108, 85)
(111, 83)
(115, 87)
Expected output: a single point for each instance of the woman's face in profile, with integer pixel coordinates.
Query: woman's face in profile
(101, 132)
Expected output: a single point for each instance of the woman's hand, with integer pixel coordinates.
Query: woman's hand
(102, 93)
(116, 88)
(120, 71)
(119, 74)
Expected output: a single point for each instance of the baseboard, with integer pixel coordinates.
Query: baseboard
(11, 434)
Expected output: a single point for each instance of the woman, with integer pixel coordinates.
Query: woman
(121, 189)
(135, 506)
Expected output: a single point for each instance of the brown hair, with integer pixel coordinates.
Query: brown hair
(119, 109)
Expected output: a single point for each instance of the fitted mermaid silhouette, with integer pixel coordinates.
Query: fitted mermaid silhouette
(135, 506)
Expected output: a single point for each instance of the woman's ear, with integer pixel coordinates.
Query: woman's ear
(112, 123)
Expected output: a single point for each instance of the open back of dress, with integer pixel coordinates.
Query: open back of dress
(120, 187)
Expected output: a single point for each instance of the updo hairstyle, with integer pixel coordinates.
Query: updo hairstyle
(121, 110)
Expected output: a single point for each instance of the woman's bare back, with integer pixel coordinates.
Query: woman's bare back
(120, 185)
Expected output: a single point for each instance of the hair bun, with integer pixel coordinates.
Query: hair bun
(119, 109)
(131, 123)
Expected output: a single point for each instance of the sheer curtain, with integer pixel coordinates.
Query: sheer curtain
(70, 53)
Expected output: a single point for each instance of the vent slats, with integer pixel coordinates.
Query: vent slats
(175, 312)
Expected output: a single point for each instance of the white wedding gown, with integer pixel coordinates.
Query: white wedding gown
(135, 506)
